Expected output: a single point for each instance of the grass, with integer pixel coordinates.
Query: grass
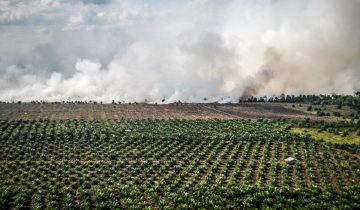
(345, 111)
(352, 138)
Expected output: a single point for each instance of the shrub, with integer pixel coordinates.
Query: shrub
(337, 114)
(309, 108)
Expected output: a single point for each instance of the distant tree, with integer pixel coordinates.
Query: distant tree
(282, 97)
(337, 114)
(309, 108)
(288, 98)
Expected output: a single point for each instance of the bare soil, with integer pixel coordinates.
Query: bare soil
(141, 111)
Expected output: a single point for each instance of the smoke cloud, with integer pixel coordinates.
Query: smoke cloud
(179, 50)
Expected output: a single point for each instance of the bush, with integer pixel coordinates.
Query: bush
(320, 113)
(337, 114)
(309, 108)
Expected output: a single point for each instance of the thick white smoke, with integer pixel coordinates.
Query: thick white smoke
(178, 50)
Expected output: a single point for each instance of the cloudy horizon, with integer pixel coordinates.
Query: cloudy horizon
(179, 50)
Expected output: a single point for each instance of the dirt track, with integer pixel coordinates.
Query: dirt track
(139, 111)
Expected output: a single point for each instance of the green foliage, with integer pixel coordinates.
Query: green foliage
(337, 114)
(352, 101)
(309, 108)
(345, 133)
(172, 164)
(213, 197)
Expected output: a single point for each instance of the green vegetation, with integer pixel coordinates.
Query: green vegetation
(341, 134)
(330, 106)
(346, 137)
(330, 111)
(352, 101)
(172, 164)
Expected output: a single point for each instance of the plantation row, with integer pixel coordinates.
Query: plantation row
(198, 197)
(26, 140)
(169, 164)
(253, 162)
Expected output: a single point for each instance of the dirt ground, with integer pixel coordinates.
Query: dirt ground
(140, 111)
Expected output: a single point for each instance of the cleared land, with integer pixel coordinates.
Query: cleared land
(143, 111)
(335, 112)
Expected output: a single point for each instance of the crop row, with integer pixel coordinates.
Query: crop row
(165, 162)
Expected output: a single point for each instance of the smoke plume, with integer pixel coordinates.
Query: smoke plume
(178, 50)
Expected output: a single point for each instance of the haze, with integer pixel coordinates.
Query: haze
(177, 50)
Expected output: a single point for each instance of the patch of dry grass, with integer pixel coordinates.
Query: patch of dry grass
(352, 138)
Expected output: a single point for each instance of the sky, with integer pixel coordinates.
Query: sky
(184, 50)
